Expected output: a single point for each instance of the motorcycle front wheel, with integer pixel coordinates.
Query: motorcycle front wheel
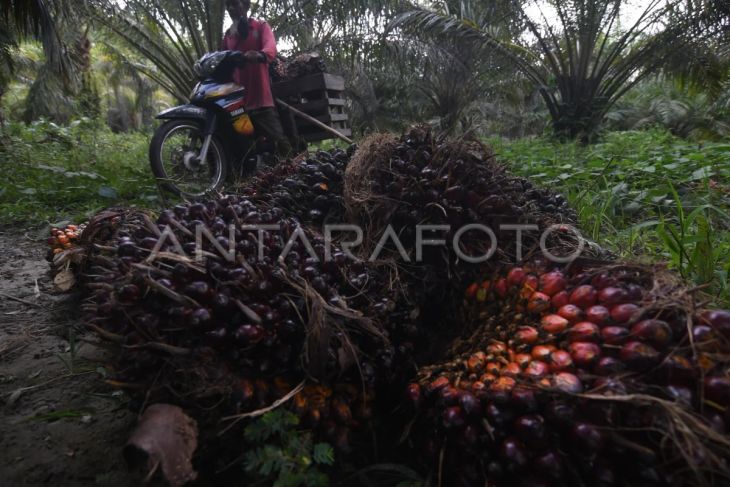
(174, 151)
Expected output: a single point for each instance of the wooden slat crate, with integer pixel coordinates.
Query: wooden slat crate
(318, 95)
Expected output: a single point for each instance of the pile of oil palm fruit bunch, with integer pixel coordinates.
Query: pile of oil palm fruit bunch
(285, 69)
(583, 376)
(492, 374)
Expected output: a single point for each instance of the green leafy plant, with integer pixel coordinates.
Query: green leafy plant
(284, 456)
(645, 195)
(55, 173)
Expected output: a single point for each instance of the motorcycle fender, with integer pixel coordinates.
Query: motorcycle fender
(183, 111)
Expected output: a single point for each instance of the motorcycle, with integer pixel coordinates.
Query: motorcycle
(203, 141)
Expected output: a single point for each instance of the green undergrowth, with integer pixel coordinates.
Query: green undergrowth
(646, 196)
(52, 173)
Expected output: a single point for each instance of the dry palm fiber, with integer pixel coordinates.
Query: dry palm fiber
(604, 375)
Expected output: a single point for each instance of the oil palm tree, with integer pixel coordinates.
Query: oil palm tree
(580, 68)
(35, 19)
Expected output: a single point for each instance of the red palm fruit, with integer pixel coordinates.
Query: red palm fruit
(524, 398)
(527, 334)
(542, 352)
(341, 411)
(702, 333)
(554, 324)
(523, 359)
(499, 416)
(538, 302)
(571, 312)
(487, 284)
(718, 320)
(529, 286)
(516, 276)
(479, 389)
(299, 405)
(501, 389)
(246, 390)
(584, 354)
(530, 429)
(512, 369)
(622, 313)
(550, 464)
(656, 332)
(493, 368)
(612, 295)
(598, 314)
(560, 412)
(476, 362)
(471, 290)
(470, 435)
(560, 299)
(587, 436)
(437, 384)
(560, 360)
(615, 335)
(585, 331)
(677, 369)
(602, 281)
(552, 283)
(638, 355)
(566, 382)
(496, 348)
(488, 378)
(453, 418)
(469, 403)
(717, 390)
(608, 385)
(413, 394)
(634, 292)
(536, 369)
(583, 296)
(501, 287)
(608, 366)
(513, 452)
(449, 396)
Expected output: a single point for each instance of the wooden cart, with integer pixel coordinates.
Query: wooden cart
(320, 96)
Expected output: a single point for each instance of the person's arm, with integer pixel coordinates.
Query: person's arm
(268, 43)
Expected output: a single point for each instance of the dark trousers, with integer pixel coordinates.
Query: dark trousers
(266, 122)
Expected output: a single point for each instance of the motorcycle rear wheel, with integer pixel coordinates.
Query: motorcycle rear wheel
(173, 151)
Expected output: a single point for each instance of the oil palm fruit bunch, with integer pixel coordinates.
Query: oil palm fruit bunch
(308, 189)
(256, 316)
(61, 239)
(420, 179)
(603, 375)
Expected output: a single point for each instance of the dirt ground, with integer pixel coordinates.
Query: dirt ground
(61, 424)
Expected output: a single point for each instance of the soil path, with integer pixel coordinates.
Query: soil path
(61, 425)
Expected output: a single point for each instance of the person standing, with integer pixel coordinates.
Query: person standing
(255, 39)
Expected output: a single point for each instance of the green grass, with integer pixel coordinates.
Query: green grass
(52, 173)
(645, 195)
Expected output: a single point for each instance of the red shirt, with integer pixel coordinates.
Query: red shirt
(254, 76)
